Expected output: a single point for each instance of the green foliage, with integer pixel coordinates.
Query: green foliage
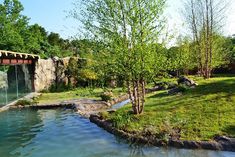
(72, 68)
(130, 30)
(23, 102)
(106, 96)
(104, 115)
(165, 131)
(87, 74)
(199, 114)
(35, 38)
(181, 58)
(17, 35)
(59, 87)
(86, 47)
(13, 25)
(184, 57)
(54, 39)
(81, 70)
(183, 88)
(121, 119)
(94, 93)
(220, 53)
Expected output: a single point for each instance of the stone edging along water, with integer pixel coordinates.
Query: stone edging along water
(220, 143)
(89, 108)
(85, 107)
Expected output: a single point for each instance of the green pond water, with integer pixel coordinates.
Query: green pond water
(63, 133)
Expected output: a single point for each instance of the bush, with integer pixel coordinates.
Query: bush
(60, 87)
(165, 86)
(106, 96)
(104, 115)
(121, 119)
(23, 103)
(165, 131)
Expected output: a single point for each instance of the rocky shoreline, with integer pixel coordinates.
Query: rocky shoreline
(221, 143)
(84, 107)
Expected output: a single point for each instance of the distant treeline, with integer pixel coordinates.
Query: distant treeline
(16, 34)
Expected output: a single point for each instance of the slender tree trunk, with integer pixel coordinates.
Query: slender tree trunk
(196, 39)
(211, 36)
(143, 96)
(132, 97)
(207, 41)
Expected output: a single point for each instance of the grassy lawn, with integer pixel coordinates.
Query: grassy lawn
(199, 113)
(47, 98)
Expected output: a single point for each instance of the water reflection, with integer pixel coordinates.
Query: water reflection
(136, 151)
(15, 82)
(141, 151)
(17, 129)
(60, 133)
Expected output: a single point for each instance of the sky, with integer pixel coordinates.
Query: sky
(52, 15)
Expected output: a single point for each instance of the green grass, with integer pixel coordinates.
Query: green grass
(47, 98)
(200, 113)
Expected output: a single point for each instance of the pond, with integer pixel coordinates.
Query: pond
(63, 133)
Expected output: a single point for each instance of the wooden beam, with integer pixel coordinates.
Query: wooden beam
(15, 61)
(18, 55)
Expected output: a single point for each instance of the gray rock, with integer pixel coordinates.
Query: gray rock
(174, 91)
(186, 81)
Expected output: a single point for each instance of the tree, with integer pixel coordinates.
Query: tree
(54, 39)
(35, 38)
(205, 20)
(128, 28)
(17, 35)
(181, 58)
(12, 25)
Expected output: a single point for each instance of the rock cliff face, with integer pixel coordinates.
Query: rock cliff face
(44, 74)
(49, 72)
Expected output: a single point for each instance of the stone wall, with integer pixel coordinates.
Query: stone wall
(49, 72)
(44, 74)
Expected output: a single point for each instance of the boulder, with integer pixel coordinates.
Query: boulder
(186, 81)
(174, 91)
(161, 86)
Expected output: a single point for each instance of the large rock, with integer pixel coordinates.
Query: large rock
(49, 72)
(161, 86)
(186, 81)
(175, 90)
(44, 74)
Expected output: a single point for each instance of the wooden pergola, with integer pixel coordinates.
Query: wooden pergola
(16, 58)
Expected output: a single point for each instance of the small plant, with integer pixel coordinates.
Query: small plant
(165, 86)
(23, 103)
(165, 131)
(120, 120)
(35, 100)
(106, 96)
(104, 115)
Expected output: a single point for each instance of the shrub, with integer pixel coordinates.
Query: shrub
(23, 103)
(59, 87)
(121, 119)
(104, 115)
(106, 96)
(165, 86)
